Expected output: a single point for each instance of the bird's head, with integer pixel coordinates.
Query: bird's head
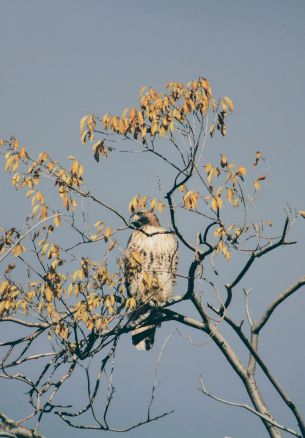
(142, 218)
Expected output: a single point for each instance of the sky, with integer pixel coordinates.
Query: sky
(63, 59)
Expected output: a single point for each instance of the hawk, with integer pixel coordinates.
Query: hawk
(151, 260)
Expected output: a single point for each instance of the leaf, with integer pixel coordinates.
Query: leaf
(57, 220)
(23, 153)
(302, 213)
(84, 136)
(242, 170)
(224, 105)
(35, 209)
(268, 223)
(44, 212)
(258, 156)
(212, 129)
(223, 130)
(142, 89)
(230, 196)
(107, 233)
(218, 232)
(125, 111)
(131, 303)
(160, 207)
(214, 204)
(9, 268)
(82, 123)
(223, 161)
(153, 203)
(256, 185)
(190, 200)
(133, 204)
(229, 102)
(18, 250)
(154, 127)
(256, 182)
(48, 294)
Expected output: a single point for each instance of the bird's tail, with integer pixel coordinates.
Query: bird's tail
(143, 337)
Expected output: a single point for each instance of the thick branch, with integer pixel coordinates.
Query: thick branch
(11, 429)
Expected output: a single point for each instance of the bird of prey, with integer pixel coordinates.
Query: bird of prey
(151, 260)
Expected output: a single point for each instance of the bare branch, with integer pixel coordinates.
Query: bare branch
(248, 408)
(258, 325)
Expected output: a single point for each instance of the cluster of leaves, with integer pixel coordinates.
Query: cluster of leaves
(158, 112)
(88, 295)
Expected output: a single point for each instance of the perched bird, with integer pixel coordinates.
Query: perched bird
(151, 260)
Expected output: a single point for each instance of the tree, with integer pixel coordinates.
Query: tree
(53, 297)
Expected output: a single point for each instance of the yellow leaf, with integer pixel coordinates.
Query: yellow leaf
(302, 213)
(44, 212)
(35, 209)
(125, 111)
(142, 89)
(107, 233)
(160, 207)
(218, 232)
(57, 220)
(214, 204)
(224, 105)
(154, 127)
(48, 294)
(133, 204)
(212, 129)
(23, 153)
(256, 185)
(153, 203)
(44, 248)
(84, 136)
(256, 182)
(73, 204)
(223, 161)
(214, 105)
(230, 195)
(190, 200)
(219, 202)
(268, 223)
(82, 123)
(19, 249)
(131, 303)
(43, 156)
(242, 170)
(229, 102)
